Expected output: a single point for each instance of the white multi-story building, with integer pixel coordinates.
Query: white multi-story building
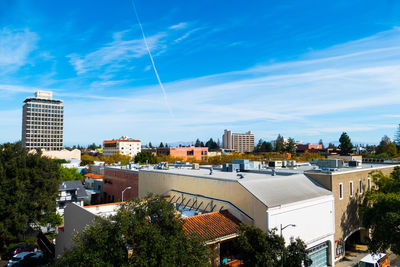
(43, 122)
(239, 142)
(123, 146)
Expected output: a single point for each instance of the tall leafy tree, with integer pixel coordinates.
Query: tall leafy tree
(391, 150)
(101, 244)
(197, 143)
(145, 156)
(290, 146)
(28, 189)
(280, 144)
(161, 144)
(144, 232)
(156, 237)
(383, 145)
(268, 249)
(346, 147)
(70, 174)
(296, 254)
(212, 145)
(150, 145)
(381, 212)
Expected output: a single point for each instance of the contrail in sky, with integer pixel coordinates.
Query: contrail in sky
(152, 61)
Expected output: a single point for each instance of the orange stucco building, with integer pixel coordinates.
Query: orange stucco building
(185, 153)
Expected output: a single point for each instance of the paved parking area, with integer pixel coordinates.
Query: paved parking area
(353, 259)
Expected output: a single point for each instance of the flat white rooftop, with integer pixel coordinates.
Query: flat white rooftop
(272, 190)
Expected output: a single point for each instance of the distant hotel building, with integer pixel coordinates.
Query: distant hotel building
(43, 122)
(123, 146)
(239, 142)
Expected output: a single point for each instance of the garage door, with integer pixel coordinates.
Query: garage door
(319, 255)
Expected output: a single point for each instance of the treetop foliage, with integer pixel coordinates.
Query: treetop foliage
(144, 232)
(346, 147)
(28, 189)
(266, 249)
(381, 212)
(145, 156)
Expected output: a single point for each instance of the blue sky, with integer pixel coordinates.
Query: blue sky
(304, 69)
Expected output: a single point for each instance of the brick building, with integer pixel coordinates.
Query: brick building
(117, 180)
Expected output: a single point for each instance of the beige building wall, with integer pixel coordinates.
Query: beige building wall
(62, 154)
(347, 219)
(230, 190)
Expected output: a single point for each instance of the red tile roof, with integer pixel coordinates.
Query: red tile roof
(211, 226)
(110, 141)
(93, 176)
(114, 141)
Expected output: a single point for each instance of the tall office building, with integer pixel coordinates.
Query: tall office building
(42, 122)
(239, 142)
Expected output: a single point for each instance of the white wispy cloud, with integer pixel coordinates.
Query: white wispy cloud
(292, 93)
(181, 25)
(114, 55)
(186, 35)
(15, 47)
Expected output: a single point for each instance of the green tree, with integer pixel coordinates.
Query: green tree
(150, 145)
(392, 150)
(296, 254)
(93, 146)
(383, 145)
(145, 156)
(346, 147)
(266, 249)
(51, 219)
(212, 145)
(101, 244)
(161, 144)
(381, 212)
(197, 143)
(70, 174)
(280, 144)
(331, 145)
(290, 146)
(156, 237)
(28, 189)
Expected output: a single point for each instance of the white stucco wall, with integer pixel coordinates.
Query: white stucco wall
(314, 220)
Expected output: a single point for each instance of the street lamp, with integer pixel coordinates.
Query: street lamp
(127, 189)
(283, 228)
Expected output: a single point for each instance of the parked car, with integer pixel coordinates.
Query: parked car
(18, 249)
(26, 259)
(375, 260)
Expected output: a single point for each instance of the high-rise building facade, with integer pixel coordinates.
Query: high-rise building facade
(43, 122)
(239, 142)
